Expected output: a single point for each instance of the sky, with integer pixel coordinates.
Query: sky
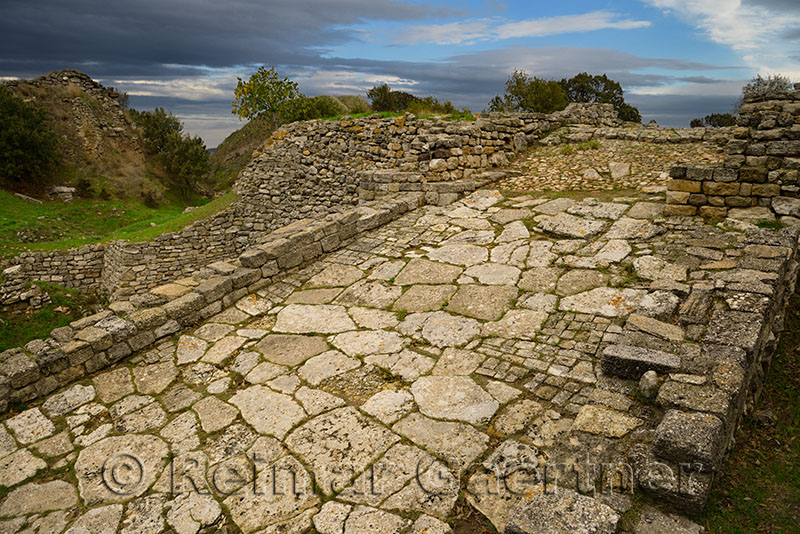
(675, 59)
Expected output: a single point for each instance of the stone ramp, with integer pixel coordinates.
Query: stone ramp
(480, 350)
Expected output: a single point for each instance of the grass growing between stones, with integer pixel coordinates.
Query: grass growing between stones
(759, 486)
(67, 305)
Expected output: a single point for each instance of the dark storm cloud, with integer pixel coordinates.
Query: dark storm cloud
(140, 37)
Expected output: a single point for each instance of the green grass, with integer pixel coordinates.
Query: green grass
(759, 486)
(59, 225)
(384, 114)
(67, 305)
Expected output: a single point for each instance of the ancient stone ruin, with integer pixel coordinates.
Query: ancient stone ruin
(375, 336)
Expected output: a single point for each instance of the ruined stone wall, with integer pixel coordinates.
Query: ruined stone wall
(761, 170)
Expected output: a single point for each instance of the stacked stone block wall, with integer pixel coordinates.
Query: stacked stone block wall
(761, 169)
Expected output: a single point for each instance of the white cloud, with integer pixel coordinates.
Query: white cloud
(752, 30)
(496, 28)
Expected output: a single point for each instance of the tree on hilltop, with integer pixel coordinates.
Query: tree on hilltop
(588, 88)
(532, 94)
(265, 92)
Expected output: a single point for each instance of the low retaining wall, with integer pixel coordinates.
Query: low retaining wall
(761, 170)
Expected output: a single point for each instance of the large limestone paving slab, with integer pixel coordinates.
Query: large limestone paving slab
(482, 302)
(565, 225)
(339, 445)
(290, 350)
(280, 492)
(460, 254)
(551, 510)
(422, 298)
(605, 301)
(336, 275)
(119, 468)
(370, 293)
(421, 271)
(454, 397)
(458, 444)
(267, 411)
(307, 319)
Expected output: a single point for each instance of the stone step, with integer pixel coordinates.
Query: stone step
(632, 362)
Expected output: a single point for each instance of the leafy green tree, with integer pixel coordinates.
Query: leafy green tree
(585, 87)
(532, 94)
(381, 98)
(265, 92)
(28, 147)
(184, 157)
(158, 128)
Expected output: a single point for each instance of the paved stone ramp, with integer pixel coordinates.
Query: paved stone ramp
(368, 391)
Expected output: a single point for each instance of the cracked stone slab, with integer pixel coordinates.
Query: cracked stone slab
(597, 210)
(290, 350)
(277, 494)
(267, 411)
(388, 406)
(466, 255)
(336, 275)
(365, 342)
(456, 443)
(580, 280)
(604, 421)
(555, 510)
(555, 206)
(422, 298)
(370, 293)
(326, 365)
(314, 296)
(516, 324)
(456, 398)
(141, 456)
(421, 271)
(605, 301)
(35, 498)
(18, 466)
(482, 302)
(190, 349)
(306, 319)
(338, 445)
(637, 229)
(494, 274)
(103, 520)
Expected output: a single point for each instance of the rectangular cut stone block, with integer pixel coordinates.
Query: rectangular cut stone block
(552, 510)
(678, 197)
(632, 362)
(214, 288)
(693, 438)
(721, 188)
(766, 190)
(684, 185)
(698, 173)
(713, 212)
(19, 368)
(149, 318)
(679, 211)
(253, 258)
(185, 305)
(752, 174)
(694, 397)
(725, 174)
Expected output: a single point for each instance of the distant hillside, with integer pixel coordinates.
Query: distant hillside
(102, 154)
(237, 149)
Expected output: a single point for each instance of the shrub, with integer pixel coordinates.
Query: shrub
(384, 99)
(83, 188)
(760, 86)
(354, 103)
(589, 88)
(715, 120)
(28, 147)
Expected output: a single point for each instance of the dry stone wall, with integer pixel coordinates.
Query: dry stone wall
(761, 170)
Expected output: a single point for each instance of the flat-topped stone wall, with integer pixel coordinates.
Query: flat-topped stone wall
(761, 170)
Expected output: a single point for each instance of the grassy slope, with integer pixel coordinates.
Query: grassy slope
(60, 225)
(759, 488)
(235, 151)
